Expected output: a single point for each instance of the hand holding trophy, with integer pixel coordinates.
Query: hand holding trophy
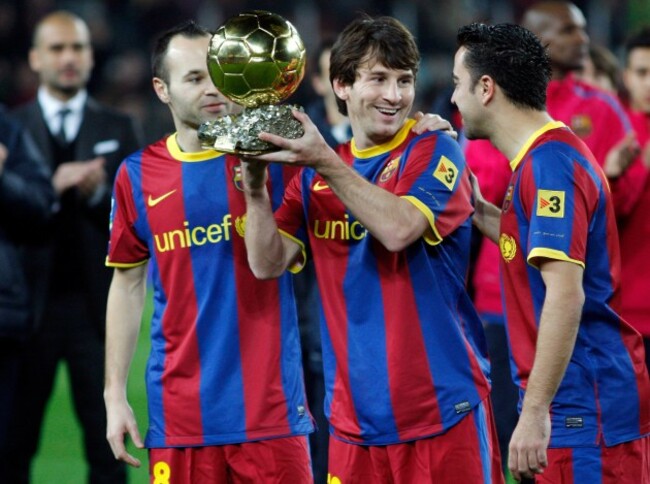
(256, 59)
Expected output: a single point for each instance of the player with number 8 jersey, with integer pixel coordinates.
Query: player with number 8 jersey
(169, 211)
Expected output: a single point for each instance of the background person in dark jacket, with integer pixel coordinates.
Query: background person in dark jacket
(26, 197)
(83, 142)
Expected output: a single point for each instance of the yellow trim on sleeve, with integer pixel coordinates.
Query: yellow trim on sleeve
(299, 264)
(124, 265)
(524, 149)
(180, 155)
(397, 140)
(550, 254)
(430, 237)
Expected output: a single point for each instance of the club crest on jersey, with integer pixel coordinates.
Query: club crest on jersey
(550, 203)
(389, 170)
(240, 225)
(508, 247)
(446, 172)
(581, 125)
(237, 179)
(508, 198)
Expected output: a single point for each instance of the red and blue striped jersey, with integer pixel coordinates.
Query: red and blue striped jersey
(558, 206)
(593, 115)
(403, 348)
(225, 361)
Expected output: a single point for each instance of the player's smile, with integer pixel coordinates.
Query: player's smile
(388, 111)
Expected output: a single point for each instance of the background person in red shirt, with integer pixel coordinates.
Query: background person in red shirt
(634, 192)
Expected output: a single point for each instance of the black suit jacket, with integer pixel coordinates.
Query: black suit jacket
(103, 132)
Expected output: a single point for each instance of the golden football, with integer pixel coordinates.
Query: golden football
(256, 58)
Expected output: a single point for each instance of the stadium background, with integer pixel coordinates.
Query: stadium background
(123, 31)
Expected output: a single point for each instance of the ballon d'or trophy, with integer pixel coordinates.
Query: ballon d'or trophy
(256, 59)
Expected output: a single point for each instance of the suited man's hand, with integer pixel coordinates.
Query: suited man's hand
(86, 176)
(4, 153)
(94, 177)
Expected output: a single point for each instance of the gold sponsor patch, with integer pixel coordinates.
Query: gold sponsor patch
(446, 172)
(550, 203)
(240, 225)
(508, 247)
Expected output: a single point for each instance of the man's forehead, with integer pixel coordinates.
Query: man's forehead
(187, 54)
(374, 65)
(640, 55)
(459, 58)
(563, 17)
(57, 32)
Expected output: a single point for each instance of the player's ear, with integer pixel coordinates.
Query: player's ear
(161, 89)
(340, 89)
(487, 86)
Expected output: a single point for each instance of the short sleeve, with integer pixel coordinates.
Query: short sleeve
(290, 217)
(559, 197)
(125, 248)
(435, 179)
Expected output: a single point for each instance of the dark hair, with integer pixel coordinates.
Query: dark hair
(511, 55)
(188, 29)
(383, 39)
(639, 40)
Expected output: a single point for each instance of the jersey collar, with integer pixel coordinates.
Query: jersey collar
(180, 155)
(524, 149)
(397, 140)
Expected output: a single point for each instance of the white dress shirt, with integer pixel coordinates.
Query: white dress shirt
(52, 106)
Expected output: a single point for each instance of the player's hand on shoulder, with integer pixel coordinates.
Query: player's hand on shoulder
(432, 122)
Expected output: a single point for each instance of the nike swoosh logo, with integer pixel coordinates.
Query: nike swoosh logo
(318, 186)
(152, 202)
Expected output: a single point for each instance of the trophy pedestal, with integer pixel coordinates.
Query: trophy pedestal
(238, 134)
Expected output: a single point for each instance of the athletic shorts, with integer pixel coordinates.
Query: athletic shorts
(274, 461)
(627, 463)
(467, 452)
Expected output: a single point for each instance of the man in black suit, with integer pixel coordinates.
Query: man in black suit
(26, 197)
(84, 143)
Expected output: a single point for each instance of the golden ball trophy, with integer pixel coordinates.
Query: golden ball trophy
(255, 59)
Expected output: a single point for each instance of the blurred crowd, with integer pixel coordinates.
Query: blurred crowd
(83, 142)
(123, 32)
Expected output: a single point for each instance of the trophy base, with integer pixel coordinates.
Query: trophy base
(238, 134)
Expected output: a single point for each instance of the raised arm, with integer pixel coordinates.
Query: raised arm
(123, 316)
(395, 222)
(269, 254)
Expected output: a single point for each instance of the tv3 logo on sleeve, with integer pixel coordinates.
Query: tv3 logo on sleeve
(550, 203)
(446, 172)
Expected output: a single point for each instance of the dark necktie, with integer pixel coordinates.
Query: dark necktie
(61, 136)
